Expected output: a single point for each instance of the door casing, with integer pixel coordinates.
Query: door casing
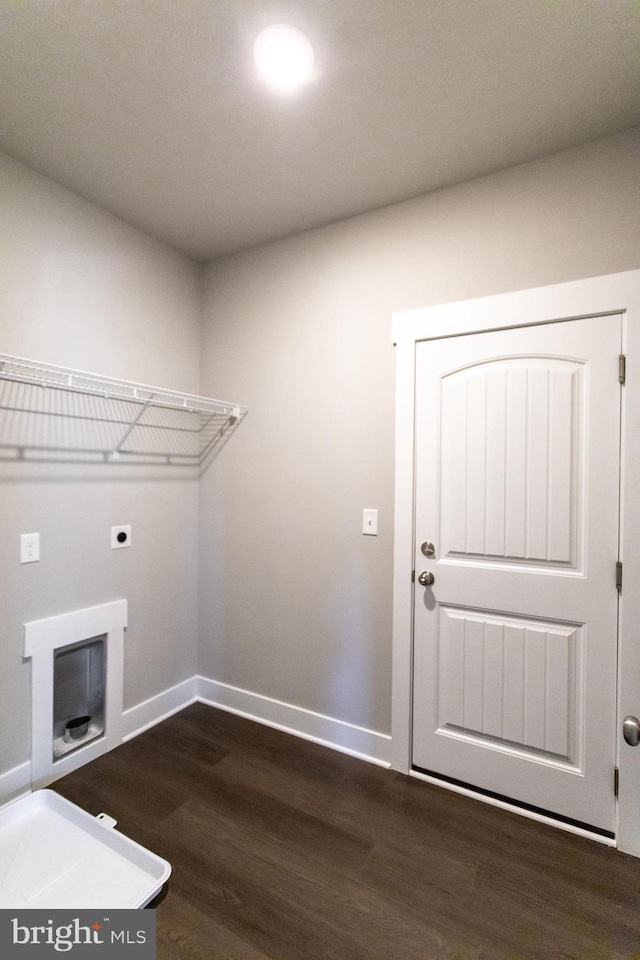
(614, 293)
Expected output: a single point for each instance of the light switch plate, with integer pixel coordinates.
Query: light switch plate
(29, 547)
(370, 522)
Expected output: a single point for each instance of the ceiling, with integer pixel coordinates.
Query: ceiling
(152, 109)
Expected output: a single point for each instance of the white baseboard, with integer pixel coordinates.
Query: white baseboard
(152, 711)
(15, 782)
(136, 720)
(337, 734)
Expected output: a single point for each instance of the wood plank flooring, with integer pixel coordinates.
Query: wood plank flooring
(285, 850)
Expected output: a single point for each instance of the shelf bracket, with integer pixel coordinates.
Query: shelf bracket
(115, 453)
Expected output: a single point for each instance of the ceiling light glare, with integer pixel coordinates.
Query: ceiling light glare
(284, 57)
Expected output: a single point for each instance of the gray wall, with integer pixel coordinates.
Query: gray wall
(295, 603)
(80, 288)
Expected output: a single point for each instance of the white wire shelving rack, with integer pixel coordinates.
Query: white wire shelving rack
(55, 414)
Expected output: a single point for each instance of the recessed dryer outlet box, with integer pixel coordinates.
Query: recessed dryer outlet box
(121, 536)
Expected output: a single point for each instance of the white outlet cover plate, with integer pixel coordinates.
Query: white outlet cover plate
(123, 528)
(29, 547)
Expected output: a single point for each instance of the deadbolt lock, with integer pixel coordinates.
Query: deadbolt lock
(428, 548)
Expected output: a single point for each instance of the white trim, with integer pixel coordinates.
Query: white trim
(402, 656)
(583, 298)
(15, 783)
(337, 734)
(41, 639)
(44, 636)
(512, 808)
(158, 708)
(616, 293)
(629, 648)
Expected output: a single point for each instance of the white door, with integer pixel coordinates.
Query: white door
(517, 487)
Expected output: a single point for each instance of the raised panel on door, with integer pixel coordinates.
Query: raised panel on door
(517, 453)
(509, 682)
(510, 472)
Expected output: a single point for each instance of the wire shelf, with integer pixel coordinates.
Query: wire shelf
(55, 414)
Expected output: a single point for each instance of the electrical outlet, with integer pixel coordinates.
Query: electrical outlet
(121, 536)
(29, 547)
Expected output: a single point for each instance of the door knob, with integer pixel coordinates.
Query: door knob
(631, 731)
(426, 578)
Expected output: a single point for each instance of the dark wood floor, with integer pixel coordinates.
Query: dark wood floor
(285, 850)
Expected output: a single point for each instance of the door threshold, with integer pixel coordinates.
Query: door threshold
(513, 806)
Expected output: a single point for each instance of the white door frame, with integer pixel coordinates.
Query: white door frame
(616, 293)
